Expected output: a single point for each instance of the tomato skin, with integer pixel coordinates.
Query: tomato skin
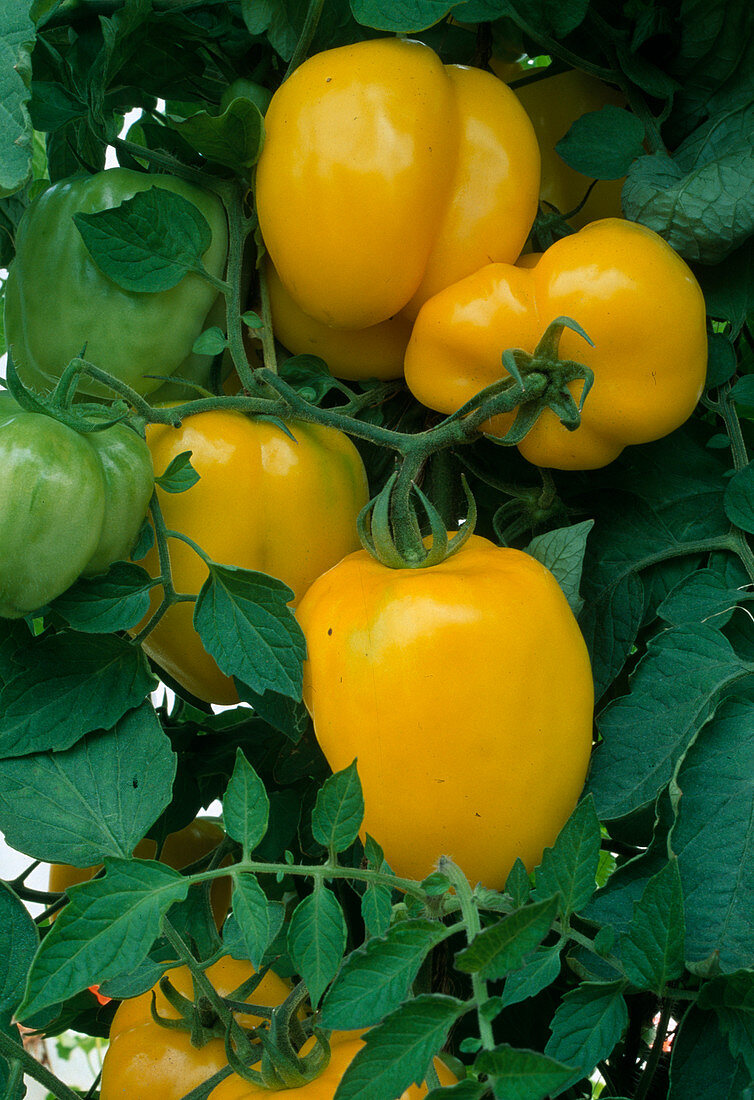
(636, 299)
(355, 354)
(145, 1060)
(180, 849)
(70, 504)
(263, 502)
(465, 693)
(344, 1046)
(57, 300)
(553, 103)
(386, 175)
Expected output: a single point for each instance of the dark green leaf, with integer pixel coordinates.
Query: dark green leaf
(77, 683)
(52, 105)
(464, 1090)
(562, 551)
(673, 692)
(19, 940)
(721, 361)
(570, 866)
(245, 623)
(708, 594)
(713, 836)
(502, 947)
(317, 939)
(149, 242)
(729, 287)
(398, 1051)
(610, 625)
(246, 806)
(259, 919)
(401, 15)
(339, 810)
(378, 976)
(212, 341)
(287, 715)
(701, 200)
(111, 601)
(702, 1066)
(518, 883)
(521, 1074)
(588, 1023)
(603, 144)
(540, 971)
(55, 806)
(376, 908)
(16, 133)
(179, 476)
(233, 139)
(309, 375)
(739, 498)
(653, 948)
(106, 929)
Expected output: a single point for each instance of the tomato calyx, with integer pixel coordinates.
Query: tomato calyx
(390, 530)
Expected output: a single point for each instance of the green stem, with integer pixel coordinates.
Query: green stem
(239, 227)
(306, 36)
(727, 410)
(204, 986)
(655, 1053)
(318, 871)
(266, 335)
(470, 914)
(15, 1052)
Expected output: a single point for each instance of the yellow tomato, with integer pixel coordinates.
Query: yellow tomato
(264, 502)
(464, 692)
(386, 175)
(636, 299)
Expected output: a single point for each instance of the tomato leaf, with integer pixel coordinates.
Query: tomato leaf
(339, 810)
(702, 1065)
(399, 1050)
(19, 940)
(673, 693)
(111, 601)
(287, 715)
(233, 138)
(570, 866)
(77, 683)
(521, 1074)
(708, 594)
(603, 144)
(245, 623)
(588, 1023)
(246, 806)
(562, 551)
(376, 908)
(259, 919)
(652, 951)
(540, 971)
(16, 134)
(713, 835)
(149, 242)
(739, 498)
(376, 977)
(179, 476)
(518, 883)
(317, 939)
(106, 929)
(732, 1000)
(502, 947)
(54, 805)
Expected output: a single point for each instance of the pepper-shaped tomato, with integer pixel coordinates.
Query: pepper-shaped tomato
(553, 103)
(70, 503)
(58, 302)
(386, 175)
(355, 354)
(344, 1046)
(180, 849)
(464, 692)
(636, 299)
(265, 501)
(145, 1061)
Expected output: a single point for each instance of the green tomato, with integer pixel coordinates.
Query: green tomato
(57, 301)
(70, 504)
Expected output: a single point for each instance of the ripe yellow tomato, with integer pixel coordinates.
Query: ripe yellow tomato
(464, 692)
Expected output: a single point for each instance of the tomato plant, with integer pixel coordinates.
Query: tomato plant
(377, 477)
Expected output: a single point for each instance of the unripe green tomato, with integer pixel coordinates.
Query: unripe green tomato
(58, 302)
(70, 504)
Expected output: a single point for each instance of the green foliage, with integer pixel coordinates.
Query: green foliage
(628, 949)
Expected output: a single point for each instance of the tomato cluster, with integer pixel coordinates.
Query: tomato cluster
(395, 197)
